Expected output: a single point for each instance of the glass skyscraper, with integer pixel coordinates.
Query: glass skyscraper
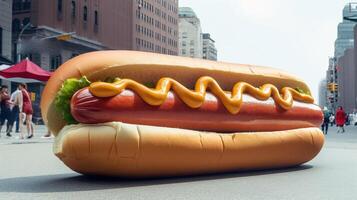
(345, 32)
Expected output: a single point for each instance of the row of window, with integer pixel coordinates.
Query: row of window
(145, 44)
(144, 17)
(145, 5)
(21, 5)
(157, 23)
(142, 4)
(166, 4)
(150, 33)
(192, 51)
(150, 46)
(145, 31)
(74, 12)
(192, 43)
(163, 15)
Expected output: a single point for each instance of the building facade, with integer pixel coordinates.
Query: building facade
(347, 78)
(322, 93)
(144, 25)
(331, 78)
(190, 33)
(51, 32)
(346, 71)
(5, 35)
(345, 40)
(345, 32)
(5, 28)
(209, 50)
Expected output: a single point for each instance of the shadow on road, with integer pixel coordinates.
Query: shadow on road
(76, 182)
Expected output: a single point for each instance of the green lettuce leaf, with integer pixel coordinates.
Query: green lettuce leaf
(302, 91)
(63, 98)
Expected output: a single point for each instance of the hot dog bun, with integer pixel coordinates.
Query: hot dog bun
(119, 149)
(131, 150)
(149, 67)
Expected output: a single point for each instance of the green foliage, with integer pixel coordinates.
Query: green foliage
(63, 98)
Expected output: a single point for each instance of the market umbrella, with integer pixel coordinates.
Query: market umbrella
(25, 71)
(4, 66)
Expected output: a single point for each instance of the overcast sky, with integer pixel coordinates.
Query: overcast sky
(295, 35)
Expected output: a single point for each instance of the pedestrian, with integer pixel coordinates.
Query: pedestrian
(15, 110)
(5, 113)
(340, 119)
(332, 119)
(48, 134)
(25, 110)
(325, 124)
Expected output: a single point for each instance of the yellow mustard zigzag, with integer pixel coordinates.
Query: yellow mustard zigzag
(194, 99)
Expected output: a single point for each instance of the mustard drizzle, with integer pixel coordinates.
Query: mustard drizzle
(194, 99)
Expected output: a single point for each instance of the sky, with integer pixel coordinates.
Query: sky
(294, 35)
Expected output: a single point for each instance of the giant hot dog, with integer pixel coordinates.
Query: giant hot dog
(199, 117)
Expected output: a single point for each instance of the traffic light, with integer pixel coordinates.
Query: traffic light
(333, 87)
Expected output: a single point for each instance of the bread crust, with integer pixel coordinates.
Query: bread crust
(126, 150)
(149, 67)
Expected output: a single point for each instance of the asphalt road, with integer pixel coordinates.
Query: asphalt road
(29, 170)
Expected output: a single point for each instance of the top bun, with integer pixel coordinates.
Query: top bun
(147, 67)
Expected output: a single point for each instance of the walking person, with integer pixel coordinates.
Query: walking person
(15, 110)
(5, 113)
(340, 119)
(325, 124)
(25, 110)
(332, 119)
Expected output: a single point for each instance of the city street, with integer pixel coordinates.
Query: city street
(29, 170)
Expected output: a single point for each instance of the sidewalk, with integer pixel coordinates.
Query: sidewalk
(349, 136)
(40, 130)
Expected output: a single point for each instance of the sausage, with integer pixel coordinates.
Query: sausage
(254, 115)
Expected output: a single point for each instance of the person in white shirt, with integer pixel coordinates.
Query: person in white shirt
(16, 99)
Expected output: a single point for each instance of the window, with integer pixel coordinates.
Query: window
(85, 13)
(73, 9)
(26, 4)
(192, 42)
(192, 51)
(96, 18)
(0, 40)
(59, 6)
(56, 61)
(25, 21)
(16, 25)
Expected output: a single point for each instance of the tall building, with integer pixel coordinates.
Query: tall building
(331, 78)
(345, 40)
(347, 87)
(190, 33)
(87, 25)
(322, 93)
(209, 50)
(5, 29)
(49, 32)
(345, 30)
(5, 35)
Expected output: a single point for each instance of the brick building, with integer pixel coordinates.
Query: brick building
(49, 32)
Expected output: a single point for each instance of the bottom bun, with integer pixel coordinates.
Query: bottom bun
(127, 150)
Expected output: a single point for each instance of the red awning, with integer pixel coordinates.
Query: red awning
(26, 69)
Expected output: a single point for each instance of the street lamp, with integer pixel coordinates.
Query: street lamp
(18, 42)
